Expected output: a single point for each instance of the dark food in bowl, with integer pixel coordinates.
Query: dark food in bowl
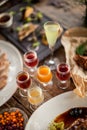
(4, 18)
(81, 55)
(79, 124)
(73, 119)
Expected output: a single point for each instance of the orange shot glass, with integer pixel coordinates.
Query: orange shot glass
(44, 75)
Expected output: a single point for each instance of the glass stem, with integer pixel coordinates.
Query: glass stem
(52, 52)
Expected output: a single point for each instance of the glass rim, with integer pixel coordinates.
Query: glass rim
(30, 51)
(62, 64)
(36, 87)
(44, 76)
(21, 72)
(38, 70)
(51, 23)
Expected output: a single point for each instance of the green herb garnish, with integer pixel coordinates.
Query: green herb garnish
(56, 126)
(18, 29)
(35, 44)
(12, 12)
(82, 49)
(28, 20)
(21, 9)
(40, 15)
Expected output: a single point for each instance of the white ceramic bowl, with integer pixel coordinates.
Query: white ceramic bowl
(6, 20)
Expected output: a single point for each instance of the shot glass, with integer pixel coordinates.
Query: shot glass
(35, 97)
(31, 61)
(44, 76)
(23, 81)
(63, 75)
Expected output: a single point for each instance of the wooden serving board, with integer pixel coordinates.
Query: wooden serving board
(25, 45)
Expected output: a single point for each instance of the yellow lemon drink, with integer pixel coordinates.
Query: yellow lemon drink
(51, 30)
(35, 96)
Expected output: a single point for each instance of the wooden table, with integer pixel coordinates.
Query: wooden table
(16, 100)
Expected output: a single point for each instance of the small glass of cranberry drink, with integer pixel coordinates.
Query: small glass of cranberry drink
(31, 61)
(63, 75)
(23, 81)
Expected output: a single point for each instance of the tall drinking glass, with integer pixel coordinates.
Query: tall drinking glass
(52, 31)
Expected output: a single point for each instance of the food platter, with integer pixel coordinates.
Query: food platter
(24, 45)
(52, 108)
(16, 65)
(73, 39)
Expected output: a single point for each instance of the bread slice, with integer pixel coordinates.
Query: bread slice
(26, 30)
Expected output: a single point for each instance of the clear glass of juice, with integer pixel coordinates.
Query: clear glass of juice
(44, 76)
(35, 97)
(63, 75)
(31, 61)
(23, 81)
(52, 31)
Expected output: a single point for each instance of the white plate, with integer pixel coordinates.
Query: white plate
(16, 65)
(41, 118)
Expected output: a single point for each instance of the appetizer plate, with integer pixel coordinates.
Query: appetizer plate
(71, 40)
(47, 112)
(16, 65)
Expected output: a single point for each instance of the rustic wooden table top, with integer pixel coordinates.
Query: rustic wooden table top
(16, 100)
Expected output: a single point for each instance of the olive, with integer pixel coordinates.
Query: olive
(75, 112)
(33, 15)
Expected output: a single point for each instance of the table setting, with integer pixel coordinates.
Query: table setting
(43, 70)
